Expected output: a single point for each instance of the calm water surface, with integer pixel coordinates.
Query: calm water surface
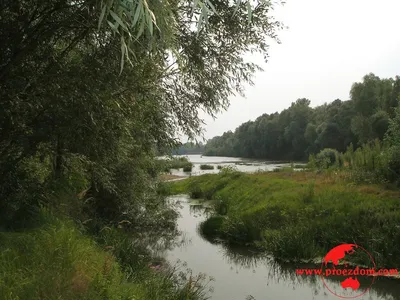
(240, 273)
(242, 164)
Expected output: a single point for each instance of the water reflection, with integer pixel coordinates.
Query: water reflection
(284, 273)
(242, 272)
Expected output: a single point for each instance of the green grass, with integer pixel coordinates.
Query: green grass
(302, 215)
(297, 166)
(57, 261)
(206, 167)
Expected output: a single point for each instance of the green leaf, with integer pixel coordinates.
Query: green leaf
(199, 23)
(205, 12)
(103, 11)
(238, 3)
(212, 7)
(141, 29)
(153, 18)
(123, 48)
(249, 11)
(139, 8)
(150, 23)
(131, 52)
(115, 28)
(127, 56)
(118, 20)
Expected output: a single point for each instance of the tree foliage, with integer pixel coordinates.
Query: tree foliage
(72, 111)
(301, 130)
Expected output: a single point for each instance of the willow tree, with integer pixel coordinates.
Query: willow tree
(88, 88)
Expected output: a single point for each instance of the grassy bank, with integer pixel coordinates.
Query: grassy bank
(299, 215)
(56, 260)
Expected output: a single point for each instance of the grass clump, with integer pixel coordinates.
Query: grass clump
(211, 227)
(206, 167)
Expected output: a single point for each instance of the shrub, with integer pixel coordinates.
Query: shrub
(187, 168)
(229, 170)
(211, 227)
(327, 158)
(394, 164)
(174, 163)
(206, 167)
(195, 191)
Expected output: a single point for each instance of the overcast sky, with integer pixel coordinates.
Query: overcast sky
(329, 45)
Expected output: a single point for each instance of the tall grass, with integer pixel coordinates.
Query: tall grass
(57, 261)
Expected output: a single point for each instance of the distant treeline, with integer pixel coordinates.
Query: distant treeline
(301, 130)
(189, 148)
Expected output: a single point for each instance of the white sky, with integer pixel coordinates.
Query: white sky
(329, 45)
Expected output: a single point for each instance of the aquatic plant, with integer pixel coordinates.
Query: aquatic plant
(206, 167)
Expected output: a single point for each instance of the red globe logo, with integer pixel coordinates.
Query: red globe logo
(338, 266)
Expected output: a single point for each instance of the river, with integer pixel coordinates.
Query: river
(242, 164)
(242, 274)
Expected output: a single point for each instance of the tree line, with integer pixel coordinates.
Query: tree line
(300, 130)
(189, 148)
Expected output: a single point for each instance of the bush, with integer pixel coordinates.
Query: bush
(206, 167)
(327, 158)
(195, 191)
(228, 170)
(219, 167)
(174, 163)
(211, 227)
(393, 174)
(187, 168)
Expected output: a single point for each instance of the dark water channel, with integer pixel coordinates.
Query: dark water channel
(241, 274)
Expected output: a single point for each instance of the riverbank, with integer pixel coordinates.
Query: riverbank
(168, 177)
(57, 259)
(299, 215)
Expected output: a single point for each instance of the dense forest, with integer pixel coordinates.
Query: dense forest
(301, 130)
(189, 148)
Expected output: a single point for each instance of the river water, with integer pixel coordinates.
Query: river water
(242, 274)
(242, 164)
